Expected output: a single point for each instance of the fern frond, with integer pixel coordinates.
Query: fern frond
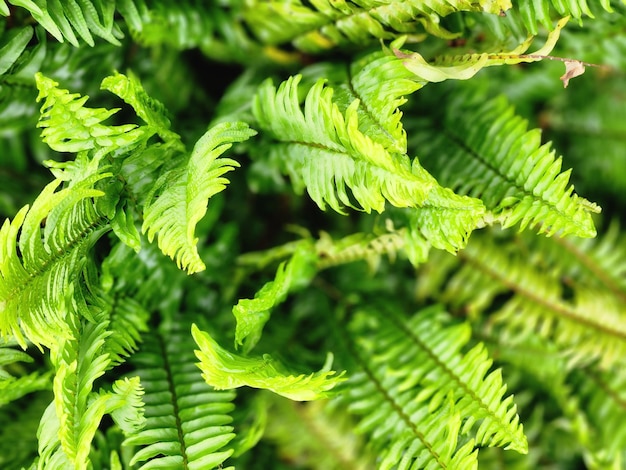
(414, 371)
(605, 407)
(517, 178)
(179, 198)
(534, 13)
(128, 321)
(446, 220)
(13, 45)
(75, 417)
(66, 19)
(323, 150)
(153, 112)
(253, 314)
(41, 289)
(224, 370)
(324, 24)
(464, 67)
(588, 328)
(216, 29)
(187, 422)
(70, 127)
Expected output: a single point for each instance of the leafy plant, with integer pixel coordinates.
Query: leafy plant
(440, 298)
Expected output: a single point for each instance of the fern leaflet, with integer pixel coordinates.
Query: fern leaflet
(225, 370)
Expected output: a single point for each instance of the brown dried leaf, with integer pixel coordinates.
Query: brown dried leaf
(573, 68)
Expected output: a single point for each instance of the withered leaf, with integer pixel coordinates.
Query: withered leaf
(573, 68)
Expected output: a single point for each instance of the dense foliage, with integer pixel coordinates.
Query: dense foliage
(312, 234)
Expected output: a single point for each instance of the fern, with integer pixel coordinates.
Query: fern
(403, 401)
(224, 370)
(327, 24)
(178, 200)
(530, 191)
(187, 422)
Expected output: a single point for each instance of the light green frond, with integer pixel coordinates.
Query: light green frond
(412, 372)
(179, 198)
(153, 112)
(324, 151)
(446, 219)
(71, 423)
(493, 157)
(323, 24)
(40, 290)
(71, 127)
(124, 404)
(380, 82)
(464, 67)
(253, 314)
(358, 246)
(188, 424)
(78, 363)
(225, 370)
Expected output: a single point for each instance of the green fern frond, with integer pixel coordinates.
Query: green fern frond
(153, 112)
(65, 19)
(446, 220)
(128, 322)
(534, 13)
(323, 150)
(408, 373)
(605, 406)
(324, 24)
(70, 127)
(253, 314)
(13, 45)
(216, 29)
(224, 370)
(516, 177)
(77, 410)
(357, 247)
(588, 328)
(187, 422)
(599, 262)
(40, 289)
(179, 198)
